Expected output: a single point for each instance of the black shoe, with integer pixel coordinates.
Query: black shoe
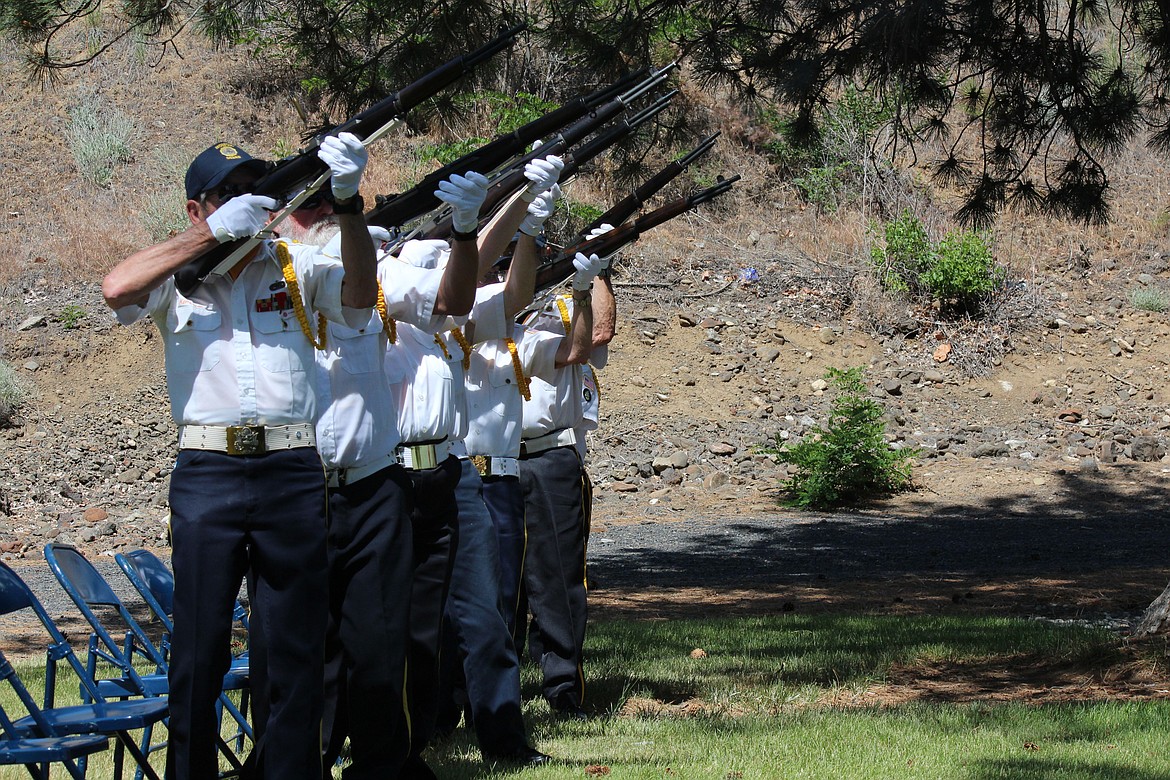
(525, 756)
(567, 708)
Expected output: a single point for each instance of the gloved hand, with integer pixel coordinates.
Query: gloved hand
(346, 158)
(543, 174)
(465, 195)
(240, 217)
(587, 268)
(596, 232)
(379, 235)
(540, 210)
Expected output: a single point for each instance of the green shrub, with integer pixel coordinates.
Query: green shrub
(848, 459)
(99, 137)
(71, 316)
(958, 271)
(905, 255)
(962, 272)
(1148, 299)
(14, 393)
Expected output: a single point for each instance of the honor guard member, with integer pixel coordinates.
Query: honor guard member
(555, 487)
(248, 491)
(478, 655)
(370, 501)
(426, 380)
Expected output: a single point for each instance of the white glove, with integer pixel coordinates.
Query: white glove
(379, 235)
(240, 217)
(587, 268)
(543, 174)
(596, 232)
(539, 211)
(465, 195)
(346, 158)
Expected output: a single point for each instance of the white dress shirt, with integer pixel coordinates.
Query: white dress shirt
(235, 352)
(359, 412)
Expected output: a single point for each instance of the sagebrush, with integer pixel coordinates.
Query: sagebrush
(14, 393)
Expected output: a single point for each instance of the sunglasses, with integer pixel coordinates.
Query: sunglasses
(225, 192)
(316, 199)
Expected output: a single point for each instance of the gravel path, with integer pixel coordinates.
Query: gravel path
(1048, 558)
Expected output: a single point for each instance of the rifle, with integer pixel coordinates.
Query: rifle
(625, 207)
(560, 267)
(396, 210)
(511, 180)
(305, 167)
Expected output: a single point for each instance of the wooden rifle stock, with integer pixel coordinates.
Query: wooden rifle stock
(623, 209)
(297, 170)
(560, 267)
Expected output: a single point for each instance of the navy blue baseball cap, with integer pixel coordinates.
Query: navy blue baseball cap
(216, 163)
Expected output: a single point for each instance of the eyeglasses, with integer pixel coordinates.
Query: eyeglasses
(316, 199)
(225, 192)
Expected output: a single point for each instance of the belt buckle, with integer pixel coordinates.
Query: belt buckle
(245, 439)
(482, 464)
(422, 457)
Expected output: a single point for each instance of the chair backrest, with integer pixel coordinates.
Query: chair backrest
(153, 581)
(15, 595)
(86, 587)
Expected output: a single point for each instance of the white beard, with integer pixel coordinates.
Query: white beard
(319, 234)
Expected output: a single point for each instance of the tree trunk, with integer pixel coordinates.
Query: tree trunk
(1155, 615)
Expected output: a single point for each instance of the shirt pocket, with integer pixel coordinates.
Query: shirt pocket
(360, 349)
(193, 342)
(279, 342)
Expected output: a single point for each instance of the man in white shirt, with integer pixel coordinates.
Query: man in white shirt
(248, 489)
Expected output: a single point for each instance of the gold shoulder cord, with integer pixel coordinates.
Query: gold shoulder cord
(442, 346)
(463, 345)
(596, 381)
(564, 310)
(522, 381)
(294, 291)
(388, 324)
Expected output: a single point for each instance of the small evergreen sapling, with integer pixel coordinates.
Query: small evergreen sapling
(848, 459)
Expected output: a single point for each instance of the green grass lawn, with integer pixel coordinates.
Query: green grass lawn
(762, 704)
(757, 706)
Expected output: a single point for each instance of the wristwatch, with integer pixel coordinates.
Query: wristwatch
(464, 235)
(354, 205)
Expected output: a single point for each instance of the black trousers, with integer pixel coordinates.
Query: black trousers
(556, 491)
(265, 514)
(370, 571)
(434, 521)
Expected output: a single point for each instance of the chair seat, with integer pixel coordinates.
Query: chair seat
(39, 750)
(157, 684)
(106, 717)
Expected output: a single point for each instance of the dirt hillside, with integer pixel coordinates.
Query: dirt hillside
(711, 362)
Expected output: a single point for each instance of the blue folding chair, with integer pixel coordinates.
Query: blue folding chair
(155, 583)
(87, 588)
(98, 717)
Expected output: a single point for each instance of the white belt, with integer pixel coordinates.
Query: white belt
(490, 466)
(246, 439)
(348, 476)
(423, 456)
(565, 437)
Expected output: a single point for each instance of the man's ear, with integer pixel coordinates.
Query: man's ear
(195, 212)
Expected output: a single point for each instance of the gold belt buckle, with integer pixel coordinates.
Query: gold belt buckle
(422, 456)
(245, 439)
(482, 464)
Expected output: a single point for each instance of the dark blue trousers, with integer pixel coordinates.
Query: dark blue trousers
(477, 640)
(556, 493)
(265, 514)
(505, 502)
(370, 571)
(434, 521)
